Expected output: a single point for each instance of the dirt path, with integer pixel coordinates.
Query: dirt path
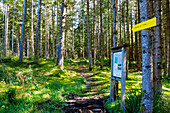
(88, 102)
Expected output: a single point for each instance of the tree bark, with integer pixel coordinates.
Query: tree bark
(157, 50)
(13, 30)
(147, 103)
(53, 11)
(73, 40)
(37, 32)
(57, 33)
(140, 45)
(94, 32)
(32, 29)
(60, 59)
(83, 28)
(131, 51)
(23, 31)
(168, 35)
(136, 40)
(6, 30)
(41, 21)
(120, 20)
(88, 36)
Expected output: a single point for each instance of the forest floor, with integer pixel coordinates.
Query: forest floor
(42, 87)
(89, 101)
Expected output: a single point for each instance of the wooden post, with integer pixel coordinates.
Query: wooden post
(123, 78)
(119, 67)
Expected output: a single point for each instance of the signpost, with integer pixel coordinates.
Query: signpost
(118, 62)
(118, 71)
(144, 25)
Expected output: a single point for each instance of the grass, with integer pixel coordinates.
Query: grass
(43, 87)
(39, 87)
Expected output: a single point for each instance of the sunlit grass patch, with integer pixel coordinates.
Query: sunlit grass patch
(40, 87)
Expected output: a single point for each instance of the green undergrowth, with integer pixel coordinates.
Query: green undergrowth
(43, 87)
(30, 87)
(133, 89)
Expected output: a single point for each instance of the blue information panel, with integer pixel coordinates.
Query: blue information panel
(117, 64)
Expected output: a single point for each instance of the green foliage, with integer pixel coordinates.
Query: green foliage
(133, 101)
(41, 87)
(160, 104)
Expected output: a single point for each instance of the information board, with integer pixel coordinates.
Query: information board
(117, 64)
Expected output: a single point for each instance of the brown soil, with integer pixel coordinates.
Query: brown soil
(88, 102)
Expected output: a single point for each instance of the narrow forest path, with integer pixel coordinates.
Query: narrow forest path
(90, 101)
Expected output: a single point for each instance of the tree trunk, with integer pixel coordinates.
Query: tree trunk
(147, 103)
(168, 35)
(37, 32)
(94, 32)
(41, 21)
(53, 11)
(6, 30)
(128, 39)
(57, 33)
(28, 40)
(32, 29)
(88, 36)
(101, 31)
(17, 41)
(136, 40)
(13, 30)
(83, 28)
(157, 50)
(108, 31)
(140, 45)
(120, 20)
(60, 59)
(131, 51)
(73, 40)
(23, 31)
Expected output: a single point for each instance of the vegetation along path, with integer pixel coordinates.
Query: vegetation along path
(90, 101)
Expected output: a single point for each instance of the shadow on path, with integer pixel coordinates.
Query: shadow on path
(89, 101)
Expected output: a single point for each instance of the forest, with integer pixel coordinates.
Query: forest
(56, 56)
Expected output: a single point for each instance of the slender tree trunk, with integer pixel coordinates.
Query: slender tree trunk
(53, 11)
(168, 35)
(66, 52)
(88, 35)
(66, 35)
(140, 45)
(101, 31)
(37, 31)
(17, 41)
(131, 51)
(28, 40)
(120, 20)
(157, 49)
(94, 32)
(83, 28)
(147, 103)
(23, 31)
(41, 21)
(32, 29)
(6, 30)
(60, 59)
(124, 16)
(72, 42)
(108, 31)
(136, 40)
(57, 32)
(13, 31)
(128, 39)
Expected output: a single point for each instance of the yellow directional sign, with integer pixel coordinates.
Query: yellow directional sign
(144, 25)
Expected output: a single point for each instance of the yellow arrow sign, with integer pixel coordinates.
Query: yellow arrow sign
(144, 25)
